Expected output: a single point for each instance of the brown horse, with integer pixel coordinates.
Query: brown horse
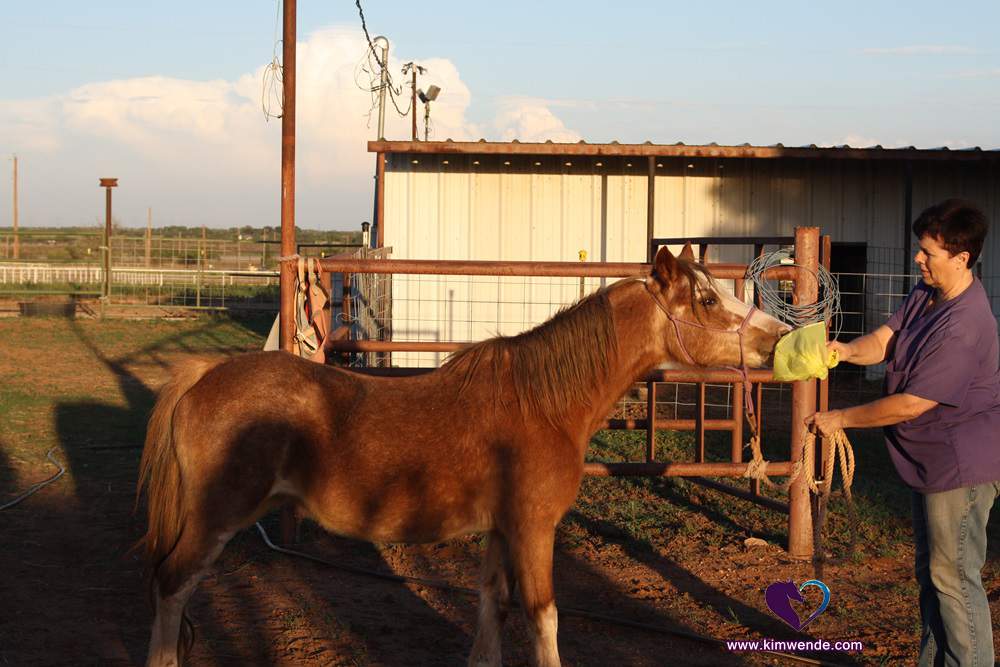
(493, 441)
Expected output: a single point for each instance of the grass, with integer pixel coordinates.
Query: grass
(648, 513)
(652, 512)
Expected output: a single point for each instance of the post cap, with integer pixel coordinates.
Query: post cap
(109, 182)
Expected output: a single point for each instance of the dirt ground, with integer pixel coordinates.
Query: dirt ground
(73, 594)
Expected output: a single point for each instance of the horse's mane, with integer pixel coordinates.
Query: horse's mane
(551, 366)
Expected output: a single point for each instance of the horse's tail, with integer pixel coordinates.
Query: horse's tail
(159, 470)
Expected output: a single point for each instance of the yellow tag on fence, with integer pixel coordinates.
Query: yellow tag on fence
(802, 355)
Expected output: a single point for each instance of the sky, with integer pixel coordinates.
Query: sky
(167, 96)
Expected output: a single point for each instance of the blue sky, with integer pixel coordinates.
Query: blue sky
(162, 94)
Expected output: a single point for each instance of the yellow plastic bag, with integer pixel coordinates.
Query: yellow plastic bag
(802, 355)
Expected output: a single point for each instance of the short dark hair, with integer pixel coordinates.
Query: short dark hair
(958, 225)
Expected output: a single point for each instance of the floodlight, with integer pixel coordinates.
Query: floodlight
(430, 95)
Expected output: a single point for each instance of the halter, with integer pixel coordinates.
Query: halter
(742, 369)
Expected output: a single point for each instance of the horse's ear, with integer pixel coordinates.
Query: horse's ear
(688, 252)
(665, 265)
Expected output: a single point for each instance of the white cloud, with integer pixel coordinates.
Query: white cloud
(202, 151)
(921, 50)
(531, 120)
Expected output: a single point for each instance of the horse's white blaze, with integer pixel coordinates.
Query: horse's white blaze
(730, 303)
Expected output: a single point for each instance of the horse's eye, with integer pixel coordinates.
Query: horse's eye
(709, 301)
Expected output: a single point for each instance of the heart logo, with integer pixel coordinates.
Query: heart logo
(780, 595)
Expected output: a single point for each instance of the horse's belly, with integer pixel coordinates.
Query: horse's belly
(390, 519)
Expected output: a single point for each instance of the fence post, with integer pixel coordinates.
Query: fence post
(803, 397)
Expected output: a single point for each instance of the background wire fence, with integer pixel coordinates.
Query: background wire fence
(427, 308)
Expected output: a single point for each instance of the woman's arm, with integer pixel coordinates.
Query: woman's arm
(868, 349)
(882, 412)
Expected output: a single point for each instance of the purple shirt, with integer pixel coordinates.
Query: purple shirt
(949, 355)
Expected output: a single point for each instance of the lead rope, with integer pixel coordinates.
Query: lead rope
(820, 489)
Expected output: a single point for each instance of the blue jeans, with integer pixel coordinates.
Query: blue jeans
(949, 529)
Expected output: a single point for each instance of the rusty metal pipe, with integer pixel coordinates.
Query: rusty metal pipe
(681, 469)
(286, 280)
(668, 424)
(803, 397)
(286, 331)
(651, 422)
(527, 269)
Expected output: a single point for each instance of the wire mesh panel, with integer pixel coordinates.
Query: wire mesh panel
(369, 308)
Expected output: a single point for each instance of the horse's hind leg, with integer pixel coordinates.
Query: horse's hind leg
(531, 553)
(495, 584)
(173, 583)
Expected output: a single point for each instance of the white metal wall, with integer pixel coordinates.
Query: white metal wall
(551, 208)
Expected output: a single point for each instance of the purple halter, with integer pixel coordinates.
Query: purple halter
(742, 369)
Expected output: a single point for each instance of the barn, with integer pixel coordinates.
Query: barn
(562, 202)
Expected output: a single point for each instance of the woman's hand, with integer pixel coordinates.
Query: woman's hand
(825, 423)
(843, 350)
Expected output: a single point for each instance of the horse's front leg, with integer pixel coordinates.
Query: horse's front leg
(531, 553)
(495, 585)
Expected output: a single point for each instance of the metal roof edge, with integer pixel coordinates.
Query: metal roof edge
(614, 149)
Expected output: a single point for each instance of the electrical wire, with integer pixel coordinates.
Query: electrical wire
(272, 89)
(776, 301)
(375, 74)
(40, 485)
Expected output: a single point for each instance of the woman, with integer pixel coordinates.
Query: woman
(941, 413)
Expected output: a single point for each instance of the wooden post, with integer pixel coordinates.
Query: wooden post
(107, 184)
(17, 242)
(149, 236)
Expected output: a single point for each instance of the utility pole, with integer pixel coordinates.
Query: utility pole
(413, 68)
(383, 83)
(17, 242)
(413, 103)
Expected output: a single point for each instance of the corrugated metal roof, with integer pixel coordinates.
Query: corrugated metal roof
(680, 149)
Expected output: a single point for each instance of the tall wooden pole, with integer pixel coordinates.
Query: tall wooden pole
(286, 332)
(286, 329)
(17, 242)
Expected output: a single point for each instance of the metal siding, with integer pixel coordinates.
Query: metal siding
(552, 211)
